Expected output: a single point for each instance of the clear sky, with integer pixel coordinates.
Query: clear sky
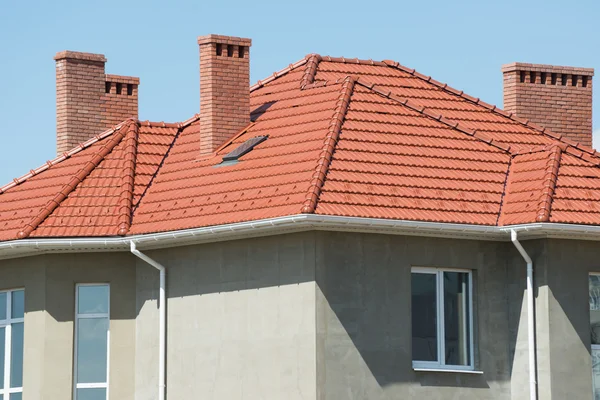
(462, 43)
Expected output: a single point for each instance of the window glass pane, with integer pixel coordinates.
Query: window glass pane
(92, 299)
(3, 305)
(91, 394)
(91, 350)
(16, 396)
(424, 317)
(596, 372)
(16, 352)
(18, 304)
(594, 289)
(456, 318)
(2, 354)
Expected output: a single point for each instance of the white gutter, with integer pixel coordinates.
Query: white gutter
(295, 223)
(530, 316)
(162, 311)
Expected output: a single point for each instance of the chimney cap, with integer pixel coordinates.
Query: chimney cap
(519, 66)
(77, 55)
(212, 38)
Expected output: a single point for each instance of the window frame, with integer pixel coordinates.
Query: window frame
(7, 325)
(441, 344)
(593, 346)
(78, 316)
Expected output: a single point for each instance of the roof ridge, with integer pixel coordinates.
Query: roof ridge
(128, 180)
(545, 131)
(163, 124)
(279, 73)
(74, 181)
(438, 117)
(354, 61)
(64, 156)
(329, 144)
(550, 177)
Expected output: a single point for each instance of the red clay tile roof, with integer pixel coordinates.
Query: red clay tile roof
(345, 137)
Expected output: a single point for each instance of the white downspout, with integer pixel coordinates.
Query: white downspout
(530, 316)
(162, 310)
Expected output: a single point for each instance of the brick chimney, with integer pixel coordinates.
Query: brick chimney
(557, 98)
(224, 89)
(87, 100)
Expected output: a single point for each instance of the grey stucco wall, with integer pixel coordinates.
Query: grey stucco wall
(364, 314)
(241, 320)
(315, 315)
(49, 282)
(565, 275)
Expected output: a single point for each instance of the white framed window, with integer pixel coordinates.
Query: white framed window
(442, 319)
(92, 338)
(12, 317)
(594, 300)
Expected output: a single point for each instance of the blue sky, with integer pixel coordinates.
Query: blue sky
(462, 43)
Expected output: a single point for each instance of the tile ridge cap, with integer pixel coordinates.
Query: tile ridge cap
(438, 117)
(358, 61)
(496, 110)
(539, 149)
(310, 71)
(279, 73)
(162, 124)
(75, 180)
(549, 184)
(128, 180)
(64, 156)
(318, 84)
(329, 144)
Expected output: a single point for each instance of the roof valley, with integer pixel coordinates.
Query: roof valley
(180, 128)
(505, 190)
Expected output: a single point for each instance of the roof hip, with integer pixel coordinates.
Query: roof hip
(76, 179)
(318, 177)
(550, 176)
(572, 144)
(128, 180)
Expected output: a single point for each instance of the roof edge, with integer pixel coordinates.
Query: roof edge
(292, 224)
(65, 155)
(279, 73)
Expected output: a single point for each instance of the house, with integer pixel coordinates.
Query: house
(344, 229)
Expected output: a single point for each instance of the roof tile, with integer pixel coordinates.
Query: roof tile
(346, 137)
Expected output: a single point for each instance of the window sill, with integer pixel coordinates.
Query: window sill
(456, 371)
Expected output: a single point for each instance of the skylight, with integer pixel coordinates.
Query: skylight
(244, 148)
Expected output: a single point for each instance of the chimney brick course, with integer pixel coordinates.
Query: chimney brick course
(557, 98)
(224, 89)
(87, 101)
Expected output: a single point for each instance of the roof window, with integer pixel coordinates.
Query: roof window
(244, 148)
